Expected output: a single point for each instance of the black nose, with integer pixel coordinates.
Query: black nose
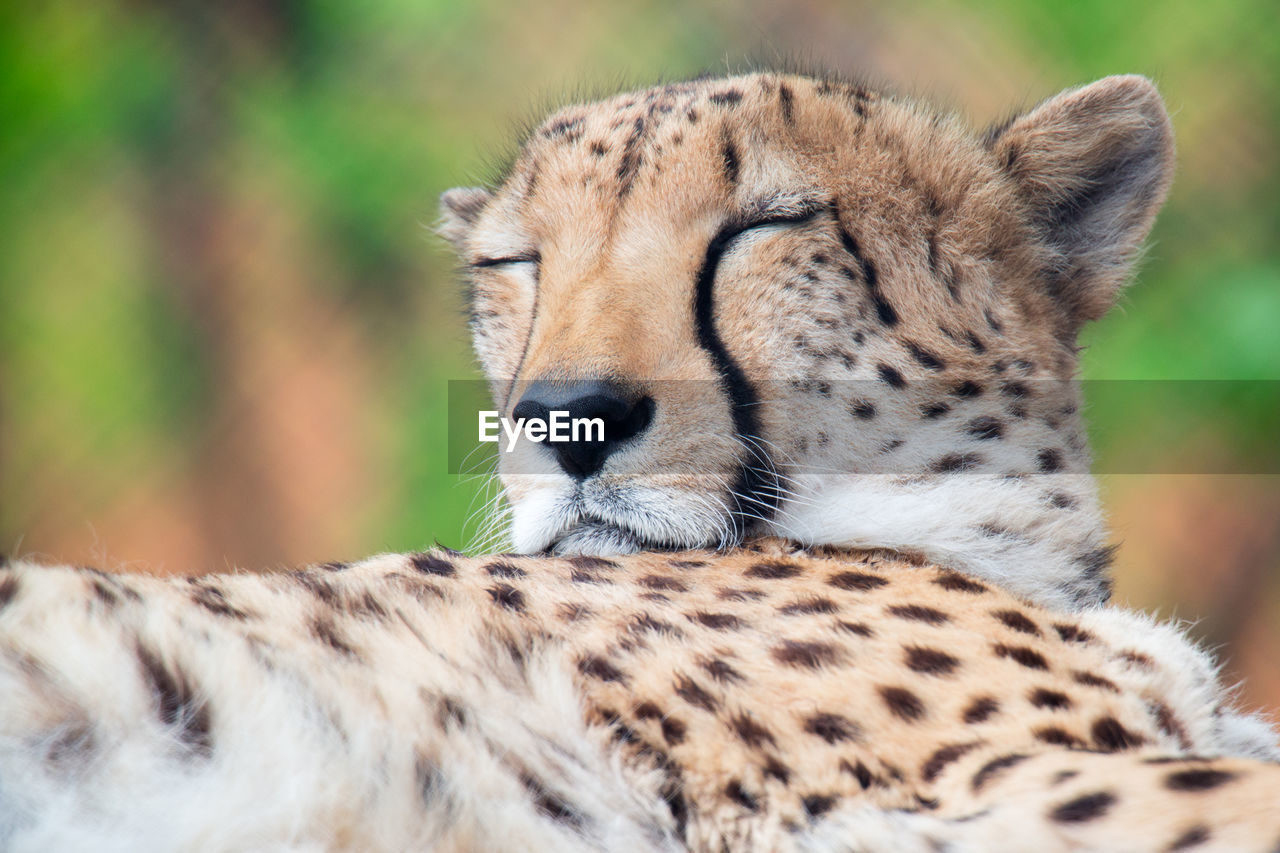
(622, 414)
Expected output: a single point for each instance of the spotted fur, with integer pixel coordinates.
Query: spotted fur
(920, 662)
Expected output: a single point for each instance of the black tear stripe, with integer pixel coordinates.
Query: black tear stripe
(756, 489)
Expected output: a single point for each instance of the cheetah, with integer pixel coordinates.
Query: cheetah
(834, 579)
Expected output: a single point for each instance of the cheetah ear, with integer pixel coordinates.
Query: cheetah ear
(1094, 163)
(459, 209)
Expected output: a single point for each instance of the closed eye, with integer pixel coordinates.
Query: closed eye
(530, 257)
(733, 230)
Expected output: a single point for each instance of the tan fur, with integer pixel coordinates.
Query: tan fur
(919, 325)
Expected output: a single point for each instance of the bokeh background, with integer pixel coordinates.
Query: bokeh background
(226, 329)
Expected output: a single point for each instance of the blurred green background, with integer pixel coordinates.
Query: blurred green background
(226, 329)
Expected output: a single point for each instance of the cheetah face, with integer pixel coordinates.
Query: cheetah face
(777, 292)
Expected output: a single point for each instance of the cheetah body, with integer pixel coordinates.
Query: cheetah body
(764, 699)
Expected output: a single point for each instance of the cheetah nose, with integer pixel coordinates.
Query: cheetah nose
(622, 414)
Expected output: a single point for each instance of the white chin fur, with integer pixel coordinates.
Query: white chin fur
(985, 525)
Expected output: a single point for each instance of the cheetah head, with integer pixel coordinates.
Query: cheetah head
(803, 309)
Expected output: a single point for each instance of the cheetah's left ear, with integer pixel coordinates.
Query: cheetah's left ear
(459, 209)
(1094, 163)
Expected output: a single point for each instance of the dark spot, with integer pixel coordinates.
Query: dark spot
(320, 588)
(857, 581)
(213, 600)
(924, 357)
(1138, 659)
(813, 605)
(1061, 500)
(1072, 634)
(587, 577)
(686, 564)
(919, 613)
(994, 324)
(777, 770)
(1193, 837)
(1096, 562)
(735, 594)
(980, 709)
(507, 596)
(862, 409)
(930, 661)
(693, 693)
(323, 629)
(856, 628)
(597, 148)
(8, 590)
(1049, 461)
(1029, 658)
(673, 730)
(1018, 621)
(179, 703)
(735, 792)
(732, 163)
(662, 582)
(891, 376)
(721, 671)
(1090, 680)
(1051, 699)
(1055, 736)
(598, 667)
(818, 804)
(937, 762)
(1088, 807)
(956, 462)
(726, 98)
(786, 102)
(975, 343)
(101, 591)
(985, 428)
(752, 733)
(1063, 776)
(1170, 724)
(646, 623)
(430, 564)
(933, 411)
(1197, 779)
(550, 804)
(956, 582)
(967, 389)
(1016, 390)
(989, 770)
(806, 654)
(563, 126)
(505, 570)
(773, 571)
(629, 164)
(1109, 735)
(833, 728)
(587, 562)
(860, 772)
(427, 779)
(648, 711)
(718, 621)
(902, 703)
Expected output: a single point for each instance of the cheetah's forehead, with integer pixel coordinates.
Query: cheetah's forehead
(631, 137)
